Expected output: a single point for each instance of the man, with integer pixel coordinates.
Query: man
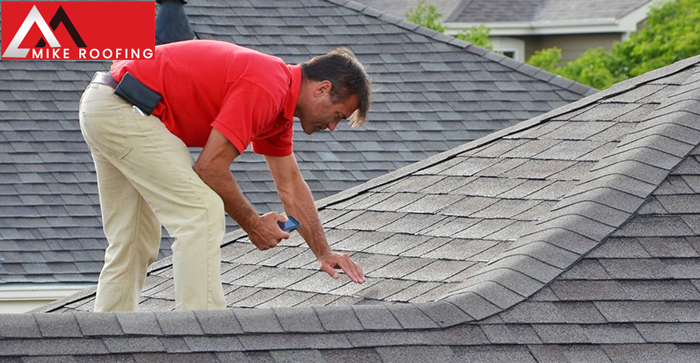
(222, 97)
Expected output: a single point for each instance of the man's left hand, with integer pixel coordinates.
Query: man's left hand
(330, 262)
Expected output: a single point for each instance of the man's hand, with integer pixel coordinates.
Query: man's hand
(264, 231)
(335, 260)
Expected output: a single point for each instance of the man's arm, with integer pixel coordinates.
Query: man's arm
(298, 202)
(213, 167)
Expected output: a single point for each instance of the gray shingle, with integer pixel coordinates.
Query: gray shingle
(133, 345)
(212, 344)
(298, 320)
(416, 354)
(218, 322)
(617, 333)
(630, 311)
(298, 356)
(661, 290)
(20, 326)
(647, 352)
(139, 324)
(352, 355)
(338, 318)
(493, 354)
(98, 324)
(560, 333)
(579, 313)
(52, 347)
(258, 320)
(375, 317)
(64, 325)
(589, 290)
(410, 317)
(552, 353)
(533, 312)
(668, 333)
(445, 313)
(511, 334)
(178, 323)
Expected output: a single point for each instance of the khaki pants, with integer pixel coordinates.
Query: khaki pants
(145, 178)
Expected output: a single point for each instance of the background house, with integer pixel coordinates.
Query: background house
(431, 93)
(570, 237)
(520, 27)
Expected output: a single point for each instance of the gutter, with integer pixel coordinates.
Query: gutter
(586, 26)
(625, 25)
(19, 298)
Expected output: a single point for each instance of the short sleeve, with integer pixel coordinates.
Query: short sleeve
(246, 110)
(278, 144)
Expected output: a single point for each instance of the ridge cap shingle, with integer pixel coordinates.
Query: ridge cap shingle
(575, 220)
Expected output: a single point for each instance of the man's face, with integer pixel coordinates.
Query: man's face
(324, 114)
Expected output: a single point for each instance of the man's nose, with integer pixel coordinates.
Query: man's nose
(333, 125)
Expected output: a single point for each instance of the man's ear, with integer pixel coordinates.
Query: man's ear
(323, 88)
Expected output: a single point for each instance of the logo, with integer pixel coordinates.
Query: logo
(77, 30)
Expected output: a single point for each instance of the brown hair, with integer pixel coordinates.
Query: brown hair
(347, 76)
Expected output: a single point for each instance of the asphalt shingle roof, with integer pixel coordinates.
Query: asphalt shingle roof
(431, 93)
(495, 11)
(399, 8)
(480, 11)
(604, 269)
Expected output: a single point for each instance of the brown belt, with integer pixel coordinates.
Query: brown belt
(105, 78)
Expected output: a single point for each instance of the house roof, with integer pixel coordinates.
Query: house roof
(399, 8)
(495, 11)
(578, 230)
(431, 93)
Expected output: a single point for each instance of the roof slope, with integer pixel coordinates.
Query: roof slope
(432, 92)
(556, 10)
(579, 229)
(399, 8)
(503, 11)
(495, 11)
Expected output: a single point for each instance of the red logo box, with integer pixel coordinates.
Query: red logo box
(77, 30)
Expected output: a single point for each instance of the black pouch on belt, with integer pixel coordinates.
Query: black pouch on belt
(135, 92)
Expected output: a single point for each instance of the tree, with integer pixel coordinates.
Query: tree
(672, 33)
(477, 35)
(427, 16)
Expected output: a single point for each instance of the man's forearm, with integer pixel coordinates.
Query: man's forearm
(299, 202)
(235, 204)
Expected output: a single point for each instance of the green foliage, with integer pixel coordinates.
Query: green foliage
(672, 33)
(477, 35)
(547, 59)
(426, 16)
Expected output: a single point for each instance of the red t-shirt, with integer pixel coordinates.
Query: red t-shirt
(246, 95)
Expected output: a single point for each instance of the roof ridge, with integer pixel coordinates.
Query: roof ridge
(571, 229)
(524, 68)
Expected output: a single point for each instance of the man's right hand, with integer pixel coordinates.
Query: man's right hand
(264, 231)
